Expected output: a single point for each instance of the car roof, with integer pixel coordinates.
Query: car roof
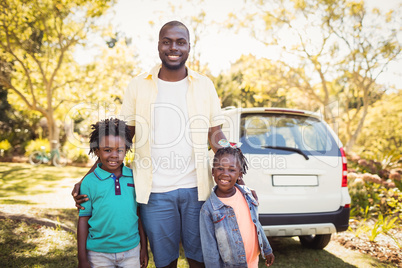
(232, 109)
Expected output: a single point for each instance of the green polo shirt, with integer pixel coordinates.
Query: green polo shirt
(113, 226)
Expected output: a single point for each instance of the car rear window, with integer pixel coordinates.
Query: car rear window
(304, 133)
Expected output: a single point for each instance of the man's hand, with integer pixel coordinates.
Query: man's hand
(269, 259)
(215, 134)
(78, 198)
(253, 192)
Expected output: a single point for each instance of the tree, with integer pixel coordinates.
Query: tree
(106, 78)
(37, 39)
(381, 139)
(252, 82)
(322, 41)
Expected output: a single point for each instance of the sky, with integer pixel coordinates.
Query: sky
(217, 48)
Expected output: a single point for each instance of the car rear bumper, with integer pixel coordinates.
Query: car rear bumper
(305, 223)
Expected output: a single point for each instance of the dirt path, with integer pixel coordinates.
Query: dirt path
(39, 205)
(55, 195)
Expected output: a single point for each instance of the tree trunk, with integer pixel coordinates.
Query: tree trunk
(353, 136)
(54, 133)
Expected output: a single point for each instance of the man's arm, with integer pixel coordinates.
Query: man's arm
(79, 199)
(132, 131)
(215, 134)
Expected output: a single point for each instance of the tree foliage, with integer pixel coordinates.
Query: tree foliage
(16, 126)
(332, 50)
(252, 82)
(37, 39)
(106, 78)
(381, 139)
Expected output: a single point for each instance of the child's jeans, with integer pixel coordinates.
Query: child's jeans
(125, 259)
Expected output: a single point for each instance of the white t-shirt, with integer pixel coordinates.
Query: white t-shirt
(171, 147)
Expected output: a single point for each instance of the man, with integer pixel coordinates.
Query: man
(173, 112)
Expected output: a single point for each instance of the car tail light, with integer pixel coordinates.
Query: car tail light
(344, 169)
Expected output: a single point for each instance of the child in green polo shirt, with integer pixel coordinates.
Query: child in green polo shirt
(110, 233)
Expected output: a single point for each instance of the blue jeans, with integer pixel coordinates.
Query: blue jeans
(170, 218)
(125, 259)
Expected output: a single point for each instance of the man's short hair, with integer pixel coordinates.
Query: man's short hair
(174, 23)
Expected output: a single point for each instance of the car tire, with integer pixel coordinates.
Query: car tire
(315, 241)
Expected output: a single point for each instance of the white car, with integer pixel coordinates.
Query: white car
(297, 167)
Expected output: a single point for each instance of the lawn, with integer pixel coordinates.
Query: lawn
(44, 192)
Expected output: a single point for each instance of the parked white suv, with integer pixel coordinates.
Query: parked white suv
(297, 167)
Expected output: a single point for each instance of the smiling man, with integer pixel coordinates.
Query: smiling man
(173, 49)
(172, 113)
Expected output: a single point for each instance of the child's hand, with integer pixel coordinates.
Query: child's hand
(143, 258)
(269, 259)
(84, 264)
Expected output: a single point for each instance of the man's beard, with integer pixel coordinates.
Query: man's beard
(173, 67)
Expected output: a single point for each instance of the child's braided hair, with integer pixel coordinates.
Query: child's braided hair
(237, 153)
(107, 127)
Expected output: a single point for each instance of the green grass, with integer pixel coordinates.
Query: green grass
(289, 253)
(33, 245)
(24, 179)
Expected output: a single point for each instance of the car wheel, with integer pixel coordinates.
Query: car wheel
(315, 241)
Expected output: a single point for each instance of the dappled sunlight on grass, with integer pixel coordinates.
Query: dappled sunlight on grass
(26, 184)
(68, 217)
(289, 253)
(22, 245)
(16, 202)
(45, 192)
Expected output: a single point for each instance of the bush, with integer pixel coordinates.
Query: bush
(129, 158)
(372, 196)
(5, 147)
(37, 145)
(77, 154)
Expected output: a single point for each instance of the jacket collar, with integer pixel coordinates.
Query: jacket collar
(103, 174)
(217, 203)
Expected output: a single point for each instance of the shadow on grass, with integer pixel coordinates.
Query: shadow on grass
(19, 178)
(21, 246)
(65, 258)
(68, 217)
(9, 175)
(32, 245)
(289, 253)
(16, 202)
